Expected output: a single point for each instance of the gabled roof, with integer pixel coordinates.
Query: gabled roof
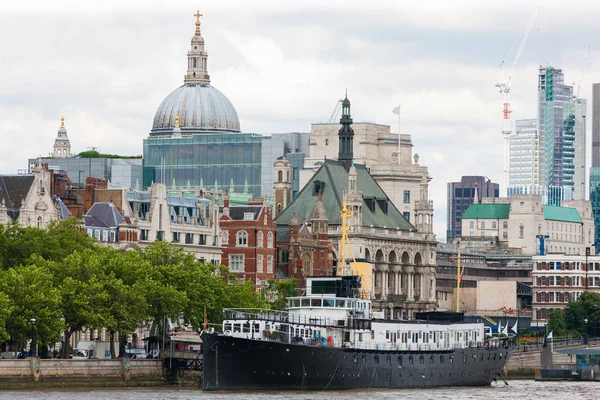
(487, 211)
(103, 215)
(335, 178)
(564, 214)
(13, 190)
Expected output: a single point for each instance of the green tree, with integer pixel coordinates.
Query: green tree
(126, 307)
(556, 323)
(80, 280)
(5, 311)
(278, 290)
(32, 295)
(587, 306)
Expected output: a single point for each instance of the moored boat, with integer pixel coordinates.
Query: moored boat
(330, 339)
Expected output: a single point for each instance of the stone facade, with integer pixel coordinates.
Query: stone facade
(570, 228)
(191, 223)
(387, 155)
(27, 199)
(282, 187)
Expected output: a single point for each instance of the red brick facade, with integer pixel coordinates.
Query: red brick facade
(248, 241)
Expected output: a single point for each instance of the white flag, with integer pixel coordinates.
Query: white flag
(396, 110)
(505, 330)
(515, 329)
(549, 336)
(499, 327)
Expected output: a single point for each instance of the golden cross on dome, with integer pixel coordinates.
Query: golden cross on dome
(62, 122)
(177, 121)
(197, 15)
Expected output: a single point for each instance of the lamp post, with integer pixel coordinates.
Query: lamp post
(32, 349)
(585, 340)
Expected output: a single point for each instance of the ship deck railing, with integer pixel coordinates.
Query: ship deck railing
(282, 317)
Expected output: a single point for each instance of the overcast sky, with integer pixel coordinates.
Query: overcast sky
(284, 65)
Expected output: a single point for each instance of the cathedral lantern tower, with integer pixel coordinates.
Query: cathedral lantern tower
(62, 145)
(346, 136)
(197, 71)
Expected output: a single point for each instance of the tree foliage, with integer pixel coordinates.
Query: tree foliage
(586, 307)
(556, 323)
(68, 283)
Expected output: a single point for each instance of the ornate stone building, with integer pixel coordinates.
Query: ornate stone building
(27, 199)
(403, 253)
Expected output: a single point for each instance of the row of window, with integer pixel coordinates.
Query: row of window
(494, 224)
(561, 280)
(236, 263)
(556, 297)
(566, 266)
(241, 239)
(411, 359)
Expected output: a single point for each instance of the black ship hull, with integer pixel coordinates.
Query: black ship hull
(246, 364)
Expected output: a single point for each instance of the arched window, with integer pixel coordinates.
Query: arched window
(307, 264)
(280, 176)
(279, 208)
(242, 238)
(259, 239)
(270, 240)
(39, 222)
(285, 256)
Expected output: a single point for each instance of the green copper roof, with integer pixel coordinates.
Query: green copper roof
(564, 214)
(335, 179)
(487, 211)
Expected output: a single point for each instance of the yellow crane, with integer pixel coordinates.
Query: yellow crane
(345, 214)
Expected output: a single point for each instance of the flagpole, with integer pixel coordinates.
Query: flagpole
(399, 110)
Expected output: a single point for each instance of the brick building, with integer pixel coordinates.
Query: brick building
(248, 241)
(306, 250)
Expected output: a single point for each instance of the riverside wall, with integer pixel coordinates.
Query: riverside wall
(57, 373)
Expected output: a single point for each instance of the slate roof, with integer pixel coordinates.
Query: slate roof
(13, 190)
(563, 214)
(62, 208)
(237, 213)
(103, 215)
(487, 211)
(335, 177)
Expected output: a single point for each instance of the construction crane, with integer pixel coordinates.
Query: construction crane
(336, 112)
(583, 68)
(504, 88)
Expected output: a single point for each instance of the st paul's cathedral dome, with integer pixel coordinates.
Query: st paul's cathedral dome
(201, 108)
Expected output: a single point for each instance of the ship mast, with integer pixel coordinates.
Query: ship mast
(345, 214)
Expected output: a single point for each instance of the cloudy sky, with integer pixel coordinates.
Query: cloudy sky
(284, 65)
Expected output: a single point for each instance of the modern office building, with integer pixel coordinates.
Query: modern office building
(595, 169)
(523, 147)
(461, 195)
(561, 130)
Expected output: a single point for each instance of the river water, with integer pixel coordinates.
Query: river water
(516, 390)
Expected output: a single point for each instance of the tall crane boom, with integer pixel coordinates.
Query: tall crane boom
(504, 88)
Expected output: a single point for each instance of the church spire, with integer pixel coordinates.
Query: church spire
(197, 72)
(346, 135)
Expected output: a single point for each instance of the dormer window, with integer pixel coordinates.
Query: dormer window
(318, 187)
